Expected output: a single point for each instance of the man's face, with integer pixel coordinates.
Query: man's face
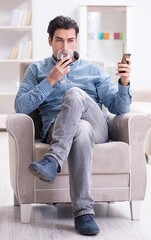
(63, 39)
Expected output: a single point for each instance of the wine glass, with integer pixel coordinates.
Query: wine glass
(62, 53)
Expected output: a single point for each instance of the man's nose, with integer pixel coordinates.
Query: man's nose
(65, 45)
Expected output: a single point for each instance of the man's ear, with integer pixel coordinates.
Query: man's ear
(49, 41)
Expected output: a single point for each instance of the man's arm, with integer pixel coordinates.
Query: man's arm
(32, 94)
(117, 100)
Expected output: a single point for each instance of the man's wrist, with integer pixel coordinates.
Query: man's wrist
(50, 81)
(124, 83)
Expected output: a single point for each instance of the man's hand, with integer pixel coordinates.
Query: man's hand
(124, 71)
(60, 69)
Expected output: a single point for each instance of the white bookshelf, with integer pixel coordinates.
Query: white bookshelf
(16, 41)
(106, 32)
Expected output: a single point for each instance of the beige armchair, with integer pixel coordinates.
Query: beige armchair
(118, 171)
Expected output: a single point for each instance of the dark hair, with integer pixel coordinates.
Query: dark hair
(62, 23)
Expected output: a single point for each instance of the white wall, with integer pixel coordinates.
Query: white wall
(142, 44)
(44, 11)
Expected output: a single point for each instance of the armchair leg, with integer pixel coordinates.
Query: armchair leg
(16, 203)
(25, 213)
(149, 159)
(135, 207)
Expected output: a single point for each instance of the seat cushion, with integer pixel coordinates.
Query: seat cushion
(110, 157)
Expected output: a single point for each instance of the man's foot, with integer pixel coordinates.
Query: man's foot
(86, 225)
(46, 169)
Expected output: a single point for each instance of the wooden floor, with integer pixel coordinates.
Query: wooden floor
(50, 222)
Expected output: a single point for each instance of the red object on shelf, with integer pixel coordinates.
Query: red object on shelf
(116, 35)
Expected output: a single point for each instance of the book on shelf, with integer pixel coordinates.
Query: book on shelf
(29, 50)
(14, 51)
(26, 51)
(21, 51)
(15, 17)
(21, 17)
(28, 17)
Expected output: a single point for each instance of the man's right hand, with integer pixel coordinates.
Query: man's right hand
(60, 69)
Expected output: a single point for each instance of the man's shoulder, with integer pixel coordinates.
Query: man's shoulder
(41, 63)
(93, 62)
(92, 66)
(39, 67)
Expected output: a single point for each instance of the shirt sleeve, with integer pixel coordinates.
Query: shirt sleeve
(116, 97)
(32, 94)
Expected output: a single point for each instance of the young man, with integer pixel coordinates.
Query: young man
(71, 114)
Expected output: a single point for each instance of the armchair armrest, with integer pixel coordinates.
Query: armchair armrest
(20, 128)
(133, 129)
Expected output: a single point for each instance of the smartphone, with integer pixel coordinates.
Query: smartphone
(125, 55)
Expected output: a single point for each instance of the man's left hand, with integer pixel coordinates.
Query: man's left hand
(124, 71)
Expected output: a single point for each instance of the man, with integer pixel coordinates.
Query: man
(71, 114)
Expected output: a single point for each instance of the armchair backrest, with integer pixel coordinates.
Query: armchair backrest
(142, 94)
(35, 114)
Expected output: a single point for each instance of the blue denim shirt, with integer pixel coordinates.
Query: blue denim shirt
(36, 92)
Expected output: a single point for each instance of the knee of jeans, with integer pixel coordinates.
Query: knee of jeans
(74, 93)
(85, 131)
(75, 96)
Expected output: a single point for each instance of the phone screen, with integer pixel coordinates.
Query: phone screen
(125, 55)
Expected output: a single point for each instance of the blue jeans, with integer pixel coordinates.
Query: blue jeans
(79, 125)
